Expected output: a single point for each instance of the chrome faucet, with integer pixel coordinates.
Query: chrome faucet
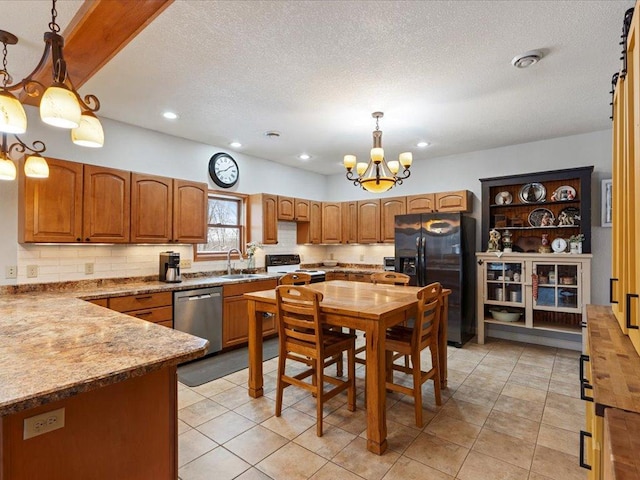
(229, 258)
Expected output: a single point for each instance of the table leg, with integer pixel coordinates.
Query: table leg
(255, 351)
(376, 391)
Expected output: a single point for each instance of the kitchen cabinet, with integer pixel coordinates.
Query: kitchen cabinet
(349, 214)
(151, 209)
(336, 276)
(311, 231)
(621, 444)
(263, 208)
(190, 205)
(152, 307)
(549, 292)
(390, 207)
(369, 221)
(286, 208)
(456, 201)
(235, 318)
(331, 222)
(302, 210)
(360, 277)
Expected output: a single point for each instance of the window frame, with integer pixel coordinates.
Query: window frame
(244, 229)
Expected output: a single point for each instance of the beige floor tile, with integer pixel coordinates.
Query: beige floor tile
(453, 430)
(356, 458)
(241, 377)
(331, 471)
(399, 436)
(559, 418)
(455, 378)
(539, 360)
(352, 422)
(291, 395)
(505, 447)
(258, 409)
(519, 427)
(402, 411)
(214, 387)
(537, 476)
(187, 397)
(329, 444)
(568, 405)
(524, 393)
(181, 386)
(437, 453)
(407, 469)
(466, 411)
(556, 465)
(478, 466)
(492, 372)
(183, 427)
(563, 388)
(568, 354)
(291, 462)
(531, 370)
(253, 474)
(559, 439)
(519, 408)
(290, 424)
(519, 378)
(232, 398)
(468, 355)
(308, 405)
(477, 396)
(255, 444)
(200, 412)
(191, 445)
(461, 364)
(499, 362)
(226, 426)
(219, 462)
(485, 382)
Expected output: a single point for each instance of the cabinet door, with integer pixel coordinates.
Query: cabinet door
(50, 210)
(360, 277)
(423, 203)
(452, 201)
(106, 204)
(315, 221)
(286, 208)
(331, 223)
(368, 221)
(302, 212)
(390, 208)
(151, 209)
(349, 222)
(190, 201)
(235, 321)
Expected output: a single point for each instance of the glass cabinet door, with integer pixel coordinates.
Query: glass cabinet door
(557, 287)
(504, 283)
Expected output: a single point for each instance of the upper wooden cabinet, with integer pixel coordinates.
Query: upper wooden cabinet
(190, 200)
(50, 210)
(457, 201)
(286, 208)
(390, 208)
(302, 210)
(349, 216)
(369, 221)
(151, 209)
(331, 222)
(423, 203)
(311, 231)
(264, 218)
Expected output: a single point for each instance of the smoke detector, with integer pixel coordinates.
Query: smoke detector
(527, 59)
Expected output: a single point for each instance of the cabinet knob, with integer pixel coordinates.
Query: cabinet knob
(87, 239)
(480, 261)
(78, 239)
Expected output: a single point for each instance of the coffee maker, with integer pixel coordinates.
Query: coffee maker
(170, 267)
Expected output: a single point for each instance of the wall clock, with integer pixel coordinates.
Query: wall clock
(223, 170)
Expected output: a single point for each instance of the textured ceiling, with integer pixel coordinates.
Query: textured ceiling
(315, 70)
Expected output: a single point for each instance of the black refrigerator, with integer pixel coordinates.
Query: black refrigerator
(440, 247)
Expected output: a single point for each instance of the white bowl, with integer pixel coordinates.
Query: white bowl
(505, 316)
(329, 263)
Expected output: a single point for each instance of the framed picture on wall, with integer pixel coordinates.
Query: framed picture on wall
(606, 208)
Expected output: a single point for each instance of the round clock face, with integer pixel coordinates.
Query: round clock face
(223, 170)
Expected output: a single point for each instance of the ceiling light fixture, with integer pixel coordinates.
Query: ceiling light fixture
(170, 115)
(60, 104)
(378, 175)
(422, 144)
(235, 144)
(304, 156)
(527, 59)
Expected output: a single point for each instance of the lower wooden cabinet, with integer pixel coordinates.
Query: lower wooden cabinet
(235, 318)
(360, 277)
(336, 276)
(152, 307)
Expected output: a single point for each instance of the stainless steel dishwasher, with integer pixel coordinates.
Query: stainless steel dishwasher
(199, 312)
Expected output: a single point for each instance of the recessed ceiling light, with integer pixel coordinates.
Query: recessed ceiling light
(527, 59)
(304, 156)
(170, 115)
(235, 144)
(422, 144)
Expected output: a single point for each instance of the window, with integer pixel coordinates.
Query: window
(226, 226)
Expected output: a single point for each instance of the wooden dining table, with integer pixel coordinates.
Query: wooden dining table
(362, 306)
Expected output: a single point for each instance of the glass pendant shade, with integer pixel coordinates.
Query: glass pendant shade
(13, 118)
(377, 178)
(7, 169)
(36, 167)
(89, 133)
(59, 107)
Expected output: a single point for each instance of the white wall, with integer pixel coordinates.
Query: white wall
(132, 148)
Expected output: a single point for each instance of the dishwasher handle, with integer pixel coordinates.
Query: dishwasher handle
(204, 296)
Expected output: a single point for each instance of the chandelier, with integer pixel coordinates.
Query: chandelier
(378, 175)
(60, 104)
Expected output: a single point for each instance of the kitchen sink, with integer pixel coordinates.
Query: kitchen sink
(243, 275)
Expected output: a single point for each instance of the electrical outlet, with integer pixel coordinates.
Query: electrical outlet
(43, 423)
(331, 256)
(362, 257)
(185, 263)
(88, 268)
(11, 271)
(32, 271)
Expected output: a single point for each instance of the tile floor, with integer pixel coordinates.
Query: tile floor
(511, 411)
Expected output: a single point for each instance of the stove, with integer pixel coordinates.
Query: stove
(286, 263)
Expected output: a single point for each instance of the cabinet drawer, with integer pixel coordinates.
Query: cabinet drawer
(137, 302)
(240, 288)
(155, 315)
(360, 277)
(166, 323)
(101, 302)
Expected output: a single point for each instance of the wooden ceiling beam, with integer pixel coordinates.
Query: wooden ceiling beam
(98, 31)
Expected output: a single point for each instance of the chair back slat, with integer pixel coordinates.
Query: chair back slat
(295, 278)
(390, 278)
(299, 317)
(428, 316)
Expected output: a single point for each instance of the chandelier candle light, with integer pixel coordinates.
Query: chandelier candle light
(378, 175)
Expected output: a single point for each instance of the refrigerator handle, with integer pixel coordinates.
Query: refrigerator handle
(418, 261)
(424, 261)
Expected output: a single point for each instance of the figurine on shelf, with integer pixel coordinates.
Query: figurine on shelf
(546, 220)
(506, 242)
(494, 241)
(544, 248)
(565, 219)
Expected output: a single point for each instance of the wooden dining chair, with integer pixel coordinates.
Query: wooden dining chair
(411, 341)
(302, 339)
(295, 278)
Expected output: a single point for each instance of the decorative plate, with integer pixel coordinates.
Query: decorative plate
(532, 193)
(541, 217)
(565, 193)
(503, 198)
(569, 217)
(559, 245)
